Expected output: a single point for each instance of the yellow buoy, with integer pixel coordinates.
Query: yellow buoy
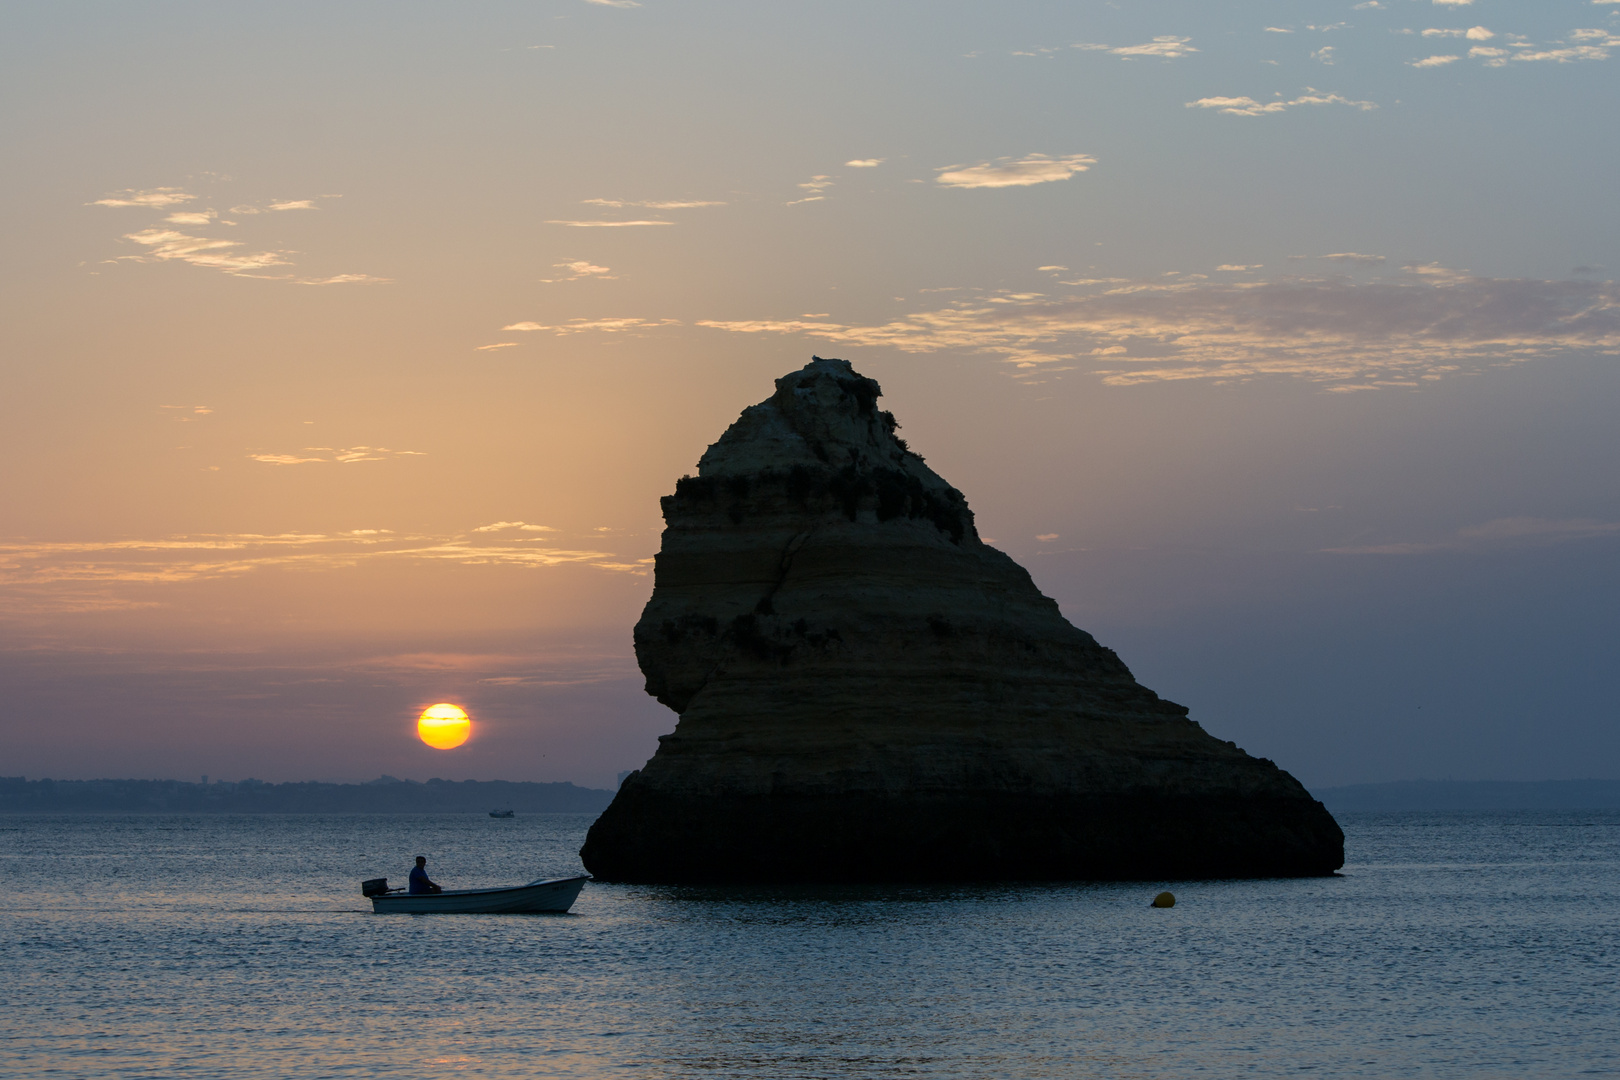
(1165, 899)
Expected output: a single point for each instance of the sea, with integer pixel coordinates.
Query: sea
(1482, 944)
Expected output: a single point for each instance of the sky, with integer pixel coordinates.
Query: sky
(347, 349)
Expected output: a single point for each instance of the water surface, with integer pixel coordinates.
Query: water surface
(1454, 944)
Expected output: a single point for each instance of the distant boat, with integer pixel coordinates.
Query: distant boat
(503, 813)
(554, 895)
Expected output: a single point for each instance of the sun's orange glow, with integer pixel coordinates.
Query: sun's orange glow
(443, 726)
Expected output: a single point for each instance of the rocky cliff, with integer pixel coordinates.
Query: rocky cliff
(868, 691)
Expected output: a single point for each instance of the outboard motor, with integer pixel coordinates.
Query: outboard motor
(376, 886)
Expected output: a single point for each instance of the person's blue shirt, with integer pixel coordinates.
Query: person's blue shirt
(419, 880)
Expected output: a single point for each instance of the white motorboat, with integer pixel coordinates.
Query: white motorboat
(554, 895)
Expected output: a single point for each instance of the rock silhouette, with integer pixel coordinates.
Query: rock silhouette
(869, 692)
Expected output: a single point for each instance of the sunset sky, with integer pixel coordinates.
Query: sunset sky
(347, 349)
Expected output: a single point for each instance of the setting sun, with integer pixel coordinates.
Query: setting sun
(443, 726)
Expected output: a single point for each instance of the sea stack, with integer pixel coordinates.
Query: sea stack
(869, 692)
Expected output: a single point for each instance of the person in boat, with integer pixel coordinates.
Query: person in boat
(420, 883)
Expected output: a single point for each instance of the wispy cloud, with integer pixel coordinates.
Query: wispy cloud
(151, 198)
(343, 279)
(287, 459)
(607, 224)
(1165, 47)
(579, 269)
(1473, 33)
(1452, 3)
(1436, 274)
(1352, 257)
(345, 455)
(1014, 172)
(872, 163)
(814, 188)
(1423, 324)
(59, 572)
(523, 526)
(606, 326)
(165, 243)
(650, 205)
(1579, 46)
(614, 3)
(1500, 533)
(1248, 106)
(830, 330)
(1437, 60)
(274, 206)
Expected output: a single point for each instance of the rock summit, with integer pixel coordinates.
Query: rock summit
(869, 692)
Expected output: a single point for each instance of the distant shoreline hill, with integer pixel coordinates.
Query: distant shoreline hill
(1474, 795)
(385, 795)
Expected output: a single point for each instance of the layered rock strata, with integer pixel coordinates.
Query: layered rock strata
(868, 691)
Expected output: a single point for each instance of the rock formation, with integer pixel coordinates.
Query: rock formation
(868, 691)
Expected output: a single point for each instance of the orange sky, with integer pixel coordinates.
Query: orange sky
(347, 352)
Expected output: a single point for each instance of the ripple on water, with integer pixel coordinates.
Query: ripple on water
(1472, 945)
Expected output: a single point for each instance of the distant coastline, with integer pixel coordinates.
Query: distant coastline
(385, 795)
(1474, 795)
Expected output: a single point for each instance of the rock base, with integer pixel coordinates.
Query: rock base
(647, 837)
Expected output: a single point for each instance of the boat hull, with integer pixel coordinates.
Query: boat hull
(554, 896)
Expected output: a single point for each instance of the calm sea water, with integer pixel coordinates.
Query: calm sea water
(1477, 945)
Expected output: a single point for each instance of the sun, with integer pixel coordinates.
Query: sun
(443, 726)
